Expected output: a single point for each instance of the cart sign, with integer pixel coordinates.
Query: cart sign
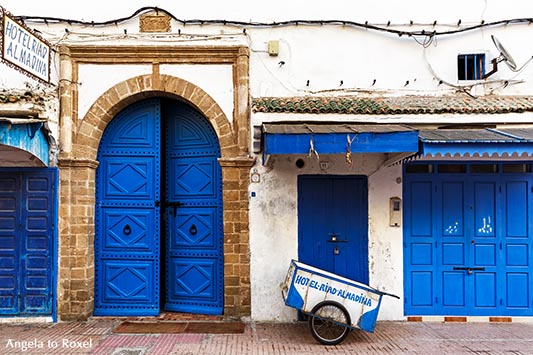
(24, 50)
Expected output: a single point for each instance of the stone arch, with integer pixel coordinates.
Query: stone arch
(89, 132)
(78, 166)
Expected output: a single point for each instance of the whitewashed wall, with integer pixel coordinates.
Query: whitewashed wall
(368, 62)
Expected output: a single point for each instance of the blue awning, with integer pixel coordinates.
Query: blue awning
(24, 135)
(476, 142)
(291, 138)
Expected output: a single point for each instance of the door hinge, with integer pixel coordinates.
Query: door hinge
(436, 300)
(501, 302)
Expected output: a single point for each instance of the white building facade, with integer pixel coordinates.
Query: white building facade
(192, 153)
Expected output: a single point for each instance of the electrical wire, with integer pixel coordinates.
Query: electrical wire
(244, 24)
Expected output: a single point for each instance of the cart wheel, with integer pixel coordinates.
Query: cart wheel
(329, 323)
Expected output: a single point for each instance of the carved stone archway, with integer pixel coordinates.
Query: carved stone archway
(79, 141)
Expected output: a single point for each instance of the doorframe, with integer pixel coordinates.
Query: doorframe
(79, 141)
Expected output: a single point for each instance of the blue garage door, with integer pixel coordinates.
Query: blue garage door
(333, 224)
(467, 245)
(158, 213)
(28, 216)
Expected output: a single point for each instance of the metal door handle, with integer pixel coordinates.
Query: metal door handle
(333, 239)
(174, 204)
(468, 269)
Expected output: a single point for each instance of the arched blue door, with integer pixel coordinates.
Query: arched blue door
(158, 213)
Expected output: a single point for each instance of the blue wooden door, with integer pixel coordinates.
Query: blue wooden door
(28, 216)
(333, 224)
(193, 213)
(158, 213)
(467, 244)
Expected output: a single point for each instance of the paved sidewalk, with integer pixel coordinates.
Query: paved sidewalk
(96, 337)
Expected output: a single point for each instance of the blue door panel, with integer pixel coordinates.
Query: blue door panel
(517, 208)
(518, 290)
(453, 253)
(194, 228)
(485, 289)
(28, 216)
(485, 254)
(484, 209)
(481, 241)
(195, 279)
(193, 178)
(421, 254)
(129, 178)
(422, 290)
(452, 209)
(313, 221)
(421, 215)
(137, 133)
(517, 255)
(453, 286)
(125, 231)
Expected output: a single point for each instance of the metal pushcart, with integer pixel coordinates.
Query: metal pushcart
(335, 305)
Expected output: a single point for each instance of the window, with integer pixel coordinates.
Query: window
(419, 169)
(470, 66)
(516, 168)
(452, 168)
(483, 168)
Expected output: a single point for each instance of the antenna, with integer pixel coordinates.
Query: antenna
(503, 57)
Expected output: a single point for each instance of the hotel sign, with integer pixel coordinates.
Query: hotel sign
(23, 49)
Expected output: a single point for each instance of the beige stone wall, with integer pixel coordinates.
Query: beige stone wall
(79, 145)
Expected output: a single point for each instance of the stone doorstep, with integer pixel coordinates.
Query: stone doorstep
(164, 316)
(26, 320)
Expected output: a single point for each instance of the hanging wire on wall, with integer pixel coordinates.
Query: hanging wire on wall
(382, 28)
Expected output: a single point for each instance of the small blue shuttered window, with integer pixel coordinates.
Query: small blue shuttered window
(470, 66)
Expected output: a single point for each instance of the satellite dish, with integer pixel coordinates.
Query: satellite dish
(504, 55)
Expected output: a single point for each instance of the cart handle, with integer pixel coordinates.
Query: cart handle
(389, 294)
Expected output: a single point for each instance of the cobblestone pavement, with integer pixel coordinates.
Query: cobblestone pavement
(96, 337)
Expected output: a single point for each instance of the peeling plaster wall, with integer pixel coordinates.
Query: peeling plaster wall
(385, 246)
(274, 229)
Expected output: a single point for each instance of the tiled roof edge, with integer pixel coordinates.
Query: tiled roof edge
(394, 105)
